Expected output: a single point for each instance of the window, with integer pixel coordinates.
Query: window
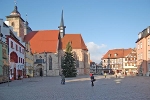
(138, 46)
(11, 44)
(12, 24)
(19, 59)
(50, 63)
(16, 47)
(77, 63)
(148, 41)
(148, 53)
(20, 49)
(125, 64)
(115, 55)
(23, 51)
(141, 45)
(125, 59)
(148, 30)
(128, 59)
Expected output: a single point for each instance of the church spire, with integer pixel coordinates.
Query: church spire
(62, 27)
(62, 20)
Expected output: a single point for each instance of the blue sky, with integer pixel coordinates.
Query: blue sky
(104, 24)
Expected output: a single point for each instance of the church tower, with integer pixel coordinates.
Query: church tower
(16, 22)
(62, 27)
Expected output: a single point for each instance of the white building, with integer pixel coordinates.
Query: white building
(16, 50)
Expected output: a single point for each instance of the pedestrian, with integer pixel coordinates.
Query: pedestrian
(62, 79)
(105, 74)
(90, 74)
(92, 80)
(116, 75)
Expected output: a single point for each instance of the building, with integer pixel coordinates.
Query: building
(14, 24)
(4, 66)
(120, 60)
(48, 47)
(28, 60)
(143, 52)
(96, 68)
(21, 28)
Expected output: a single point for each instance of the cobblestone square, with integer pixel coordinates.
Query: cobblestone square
(79, 88)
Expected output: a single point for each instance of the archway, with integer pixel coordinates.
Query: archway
(13, 57)
(39, 70)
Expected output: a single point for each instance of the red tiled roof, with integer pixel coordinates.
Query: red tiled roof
(45, 40)
(120, 53)
(75, 39)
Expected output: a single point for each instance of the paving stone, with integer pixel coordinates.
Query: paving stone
(79, 88)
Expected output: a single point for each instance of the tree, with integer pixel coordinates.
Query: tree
(68, 63)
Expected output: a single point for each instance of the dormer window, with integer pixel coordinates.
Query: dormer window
(109, 55)
(139, 35)
(148, 29)
(115, 54)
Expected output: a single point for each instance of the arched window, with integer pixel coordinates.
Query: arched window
(77, 62)
(50, 63)
(12, 24)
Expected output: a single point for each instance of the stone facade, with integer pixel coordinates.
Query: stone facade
(17, 24)
(48, 63)
(28, 60)
(42, 61)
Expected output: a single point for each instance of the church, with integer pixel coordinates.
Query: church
(48, 47)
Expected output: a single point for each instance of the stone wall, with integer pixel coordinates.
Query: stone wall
(55, 67)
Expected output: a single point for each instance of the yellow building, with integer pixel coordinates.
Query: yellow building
(28, 60)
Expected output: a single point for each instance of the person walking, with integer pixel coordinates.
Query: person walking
(92, 80)
(105, 74)
(62, 79)
(116, 74)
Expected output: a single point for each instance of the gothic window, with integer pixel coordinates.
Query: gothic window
(77, 62)
(50, 63)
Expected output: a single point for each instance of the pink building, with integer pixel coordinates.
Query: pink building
(143, 52)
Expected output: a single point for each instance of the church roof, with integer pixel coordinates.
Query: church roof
(76, 41)
(43, 40)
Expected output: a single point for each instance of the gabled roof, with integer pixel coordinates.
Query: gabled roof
(120, 53)
(43, 41)
(76, 41)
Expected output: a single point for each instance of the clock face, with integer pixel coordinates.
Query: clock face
(61, 30)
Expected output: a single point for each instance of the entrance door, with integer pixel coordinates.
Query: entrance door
(14, 73)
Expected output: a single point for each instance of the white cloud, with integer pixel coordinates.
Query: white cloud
(96, 51)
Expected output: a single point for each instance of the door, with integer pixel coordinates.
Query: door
(14, 73)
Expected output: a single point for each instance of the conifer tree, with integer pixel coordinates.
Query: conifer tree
(68, 63)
